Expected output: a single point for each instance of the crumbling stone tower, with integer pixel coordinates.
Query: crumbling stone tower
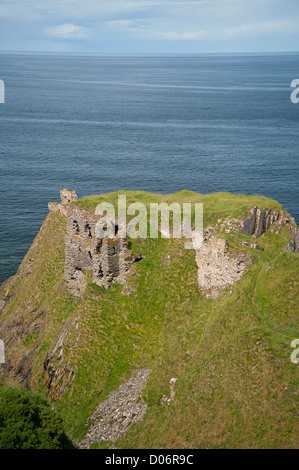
(108, 259)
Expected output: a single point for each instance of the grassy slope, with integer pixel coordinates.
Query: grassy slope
(236, 384)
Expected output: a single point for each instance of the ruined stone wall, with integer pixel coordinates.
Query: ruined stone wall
(108, 259)
(217, 268)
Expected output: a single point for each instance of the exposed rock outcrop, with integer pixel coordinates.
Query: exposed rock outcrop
(262, 221)
(294, 243)
(259, 221)
(58, 373)
(22, 327)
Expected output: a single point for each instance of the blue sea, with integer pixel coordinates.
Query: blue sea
(100, 123)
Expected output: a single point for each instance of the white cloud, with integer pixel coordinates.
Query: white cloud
(184, 36)
(262, 28)
(151, 28)
(102, 9)
(112, 24)
(67, 31)
(171, 29)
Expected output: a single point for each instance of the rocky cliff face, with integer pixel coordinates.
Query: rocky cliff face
(76, 343)
(262, 221)
(259, 221)
(269, 220)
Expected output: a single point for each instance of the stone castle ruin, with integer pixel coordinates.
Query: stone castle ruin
(109, 259)
(219, 267)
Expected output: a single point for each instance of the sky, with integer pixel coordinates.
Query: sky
(149, 26)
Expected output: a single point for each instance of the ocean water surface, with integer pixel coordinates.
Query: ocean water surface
(100, 123)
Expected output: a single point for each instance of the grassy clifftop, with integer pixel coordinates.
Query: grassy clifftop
(236, 387)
